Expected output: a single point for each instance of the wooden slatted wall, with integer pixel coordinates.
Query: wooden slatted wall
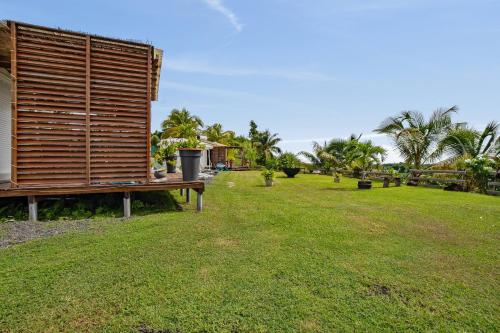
(50, 107)
(119, 102)
(82, 109)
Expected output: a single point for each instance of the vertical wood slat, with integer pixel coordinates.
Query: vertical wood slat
(148, 121)
(87, 109)
(13, 72)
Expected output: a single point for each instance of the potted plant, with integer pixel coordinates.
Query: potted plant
(289, 164)
(190, 153)
(171, 163)
(396, 176)
(363, 183)
(336, 177)
(166, 152)
(268, 177)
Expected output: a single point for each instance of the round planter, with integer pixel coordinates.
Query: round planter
(190, 162)
(364, 184)
(386, 182)
(397, 181)
(291, 172)
(269, 182)
(336, 179)
(170, 167)
(159, 174)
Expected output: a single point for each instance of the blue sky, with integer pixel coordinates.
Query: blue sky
(308, 70)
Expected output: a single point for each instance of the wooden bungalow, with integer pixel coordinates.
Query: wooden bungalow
(75, 114)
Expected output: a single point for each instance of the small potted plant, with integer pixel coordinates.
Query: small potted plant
(363, 183)
(336, 177)
(166, 152)
(289, 163)
(171, 163)
(268, 175)
(190, 153)
(396, 176)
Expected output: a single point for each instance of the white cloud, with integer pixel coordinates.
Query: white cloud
(321, 140)
(193, 66)
(219, 6)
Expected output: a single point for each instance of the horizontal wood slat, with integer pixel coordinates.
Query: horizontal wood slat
(82, 109)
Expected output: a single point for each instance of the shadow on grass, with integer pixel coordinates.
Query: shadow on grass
(350, 189)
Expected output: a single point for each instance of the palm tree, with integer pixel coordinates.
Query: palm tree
(216, 134)
(366, 156)
(462, 141)
(418, 139)
(319, 158)
(181, 124)
(267, 144)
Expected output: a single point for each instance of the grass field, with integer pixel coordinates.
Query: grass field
(306, 255)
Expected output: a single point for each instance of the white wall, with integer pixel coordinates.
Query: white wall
(5, 126)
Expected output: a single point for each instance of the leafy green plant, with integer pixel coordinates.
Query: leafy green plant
(166, 151)
(288, 160)
(479, 169)
(268, 174)
(191, 143)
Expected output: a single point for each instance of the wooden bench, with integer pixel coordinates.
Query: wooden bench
(493, 188)
(415, 176)
(386, 177)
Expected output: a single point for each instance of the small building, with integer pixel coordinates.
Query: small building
(75, 113)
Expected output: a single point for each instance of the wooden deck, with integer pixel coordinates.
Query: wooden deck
(171, 182)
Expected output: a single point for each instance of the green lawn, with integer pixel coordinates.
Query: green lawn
(305, 255)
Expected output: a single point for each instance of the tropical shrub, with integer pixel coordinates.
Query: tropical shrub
(191, 143)
(479, 169)
(166, 151)
(288, 160)
(268, 174)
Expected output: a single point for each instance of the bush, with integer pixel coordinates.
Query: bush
(479, 170)
(288, 161)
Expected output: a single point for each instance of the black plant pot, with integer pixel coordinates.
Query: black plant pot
(397, 181)
(190, 162)
(170, 166)
(364, 184)
(291, 172)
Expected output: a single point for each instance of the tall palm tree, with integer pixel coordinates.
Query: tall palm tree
(267, 144)
(418, 139)
(463, 141)
(181, 124)
(216, 134)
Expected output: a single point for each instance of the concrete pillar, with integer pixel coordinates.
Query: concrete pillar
(32, 208)
(188, 195)
(182, 192)
(126, 204)
(199, 201)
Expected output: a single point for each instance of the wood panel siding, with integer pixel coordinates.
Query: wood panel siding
(81, 108)
(119, 106)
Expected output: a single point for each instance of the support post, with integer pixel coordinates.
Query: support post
(126, 204)
(182, 192)
(199, 200)
(188, 196)
(32, 208)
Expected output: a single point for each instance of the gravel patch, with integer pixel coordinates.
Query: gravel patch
(15, 232)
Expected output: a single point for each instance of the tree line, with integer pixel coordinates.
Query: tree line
(420, 142)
